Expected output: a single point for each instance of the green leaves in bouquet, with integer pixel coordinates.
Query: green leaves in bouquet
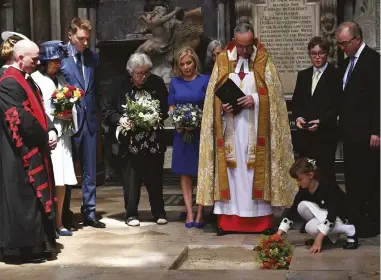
(274, 252)
(143, 113)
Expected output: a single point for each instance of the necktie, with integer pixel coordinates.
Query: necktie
(315, 79)
(79, 64)
(350, 69)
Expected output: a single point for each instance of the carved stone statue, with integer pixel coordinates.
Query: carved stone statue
(169, 30)
(162, 24)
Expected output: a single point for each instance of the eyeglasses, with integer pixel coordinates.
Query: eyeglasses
(143, 74)
(246, 48)
(317, 54)
(346, 43)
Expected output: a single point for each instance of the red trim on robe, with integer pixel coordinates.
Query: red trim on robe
(261, 141)
(243, 224)
(34, 105)
(12, 116)
(28, 156)
(258, 194)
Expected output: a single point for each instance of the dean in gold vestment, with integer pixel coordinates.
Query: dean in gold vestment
(244, 159)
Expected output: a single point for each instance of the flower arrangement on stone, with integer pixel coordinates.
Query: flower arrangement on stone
(64, 100)
(142, 114)
(274, 252)
(185, 118)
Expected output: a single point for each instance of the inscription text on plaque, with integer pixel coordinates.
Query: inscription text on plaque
(285, 27)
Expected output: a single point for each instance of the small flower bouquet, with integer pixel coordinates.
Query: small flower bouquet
(187, 117)
(64, 99)
(142, 114)
(274, 252)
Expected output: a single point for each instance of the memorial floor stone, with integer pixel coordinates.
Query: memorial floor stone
(149, 251)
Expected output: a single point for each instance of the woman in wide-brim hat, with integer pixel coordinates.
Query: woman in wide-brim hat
(48, 79)
(9, 38)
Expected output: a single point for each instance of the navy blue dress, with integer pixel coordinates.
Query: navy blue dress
(185, 156)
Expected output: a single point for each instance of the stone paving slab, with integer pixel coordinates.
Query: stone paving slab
(147, 252)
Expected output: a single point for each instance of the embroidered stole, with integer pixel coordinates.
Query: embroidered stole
(225, 157)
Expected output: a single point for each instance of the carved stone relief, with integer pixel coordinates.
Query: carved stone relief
(367, 15)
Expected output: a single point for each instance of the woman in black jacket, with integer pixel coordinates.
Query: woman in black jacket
(142, 152)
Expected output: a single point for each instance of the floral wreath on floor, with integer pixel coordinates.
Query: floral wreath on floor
(274, 252)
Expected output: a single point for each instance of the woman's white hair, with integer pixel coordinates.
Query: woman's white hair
(138, 60)
(209, 52)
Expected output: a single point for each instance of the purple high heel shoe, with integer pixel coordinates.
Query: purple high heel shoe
(189, 225)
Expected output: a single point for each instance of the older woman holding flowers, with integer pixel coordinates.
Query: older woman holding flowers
(187, 88)
(140, 134)
(49, 81)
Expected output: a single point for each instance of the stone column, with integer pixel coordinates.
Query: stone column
(21, 17)
(93, 19)
(245, 8)
(41, 21)
(6, 15)
(367, 15)
(55, 19)
(68, 11)
(328, 24)
(221, 21)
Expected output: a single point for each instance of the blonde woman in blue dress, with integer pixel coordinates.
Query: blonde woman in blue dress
(48, 79)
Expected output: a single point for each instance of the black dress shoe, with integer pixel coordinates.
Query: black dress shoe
(351, 245)
(220, 232)
(94, 223)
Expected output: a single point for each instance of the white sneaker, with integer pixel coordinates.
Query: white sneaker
(133, 223)
(161, 221)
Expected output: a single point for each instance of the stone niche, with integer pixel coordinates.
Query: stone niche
(285, 27)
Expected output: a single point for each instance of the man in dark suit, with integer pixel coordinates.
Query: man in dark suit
(359, 123)
(79, 69)
(314, 108)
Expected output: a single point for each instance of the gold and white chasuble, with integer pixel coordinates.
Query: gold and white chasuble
(245, 159)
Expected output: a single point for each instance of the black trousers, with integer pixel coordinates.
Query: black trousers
(362, 183)
(148, 169)
(311, 145)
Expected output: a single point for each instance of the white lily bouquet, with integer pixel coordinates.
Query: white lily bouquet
(186, 117)
(142, 114)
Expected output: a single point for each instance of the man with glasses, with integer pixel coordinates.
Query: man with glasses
(359, 124)
(314, 109)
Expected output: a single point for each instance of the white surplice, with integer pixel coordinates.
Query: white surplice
(241, 178)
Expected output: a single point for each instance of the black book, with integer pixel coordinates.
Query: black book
(229, 92)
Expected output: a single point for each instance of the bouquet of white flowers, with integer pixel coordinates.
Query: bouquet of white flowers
(142, 114)
(187, 117)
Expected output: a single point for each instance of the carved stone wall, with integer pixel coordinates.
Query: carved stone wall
(283, 24)
(367, 15)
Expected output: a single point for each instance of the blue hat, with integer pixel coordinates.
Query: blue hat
(52, 50)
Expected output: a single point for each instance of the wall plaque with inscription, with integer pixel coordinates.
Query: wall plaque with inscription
(285, 27)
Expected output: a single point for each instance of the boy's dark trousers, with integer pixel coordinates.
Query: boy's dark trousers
(148, 169)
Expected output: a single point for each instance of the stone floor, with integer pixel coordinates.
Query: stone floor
(147, 252)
